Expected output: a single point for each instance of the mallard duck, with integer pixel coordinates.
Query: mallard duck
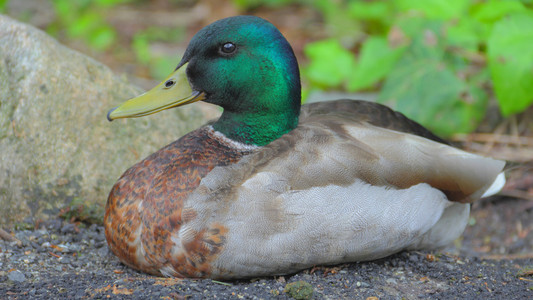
(273, 187)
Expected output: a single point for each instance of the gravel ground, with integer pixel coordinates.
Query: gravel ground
(62, 260)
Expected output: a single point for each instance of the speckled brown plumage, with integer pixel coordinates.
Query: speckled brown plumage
(157, 186)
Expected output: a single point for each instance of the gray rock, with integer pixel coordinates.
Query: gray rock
(58, 149)
(16, 276)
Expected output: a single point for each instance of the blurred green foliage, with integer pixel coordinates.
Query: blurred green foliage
(84, 19)
(510, 54)
(433, 60)
(436, 61)
(253, 4)
(142, 41)
(3, 6)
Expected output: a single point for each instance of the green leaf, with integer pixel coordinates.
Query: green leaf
(510, 52)
(110, 2)
(424, 86)
(432, 95)
(84, 24)
(467, 33)
(3, 6)
(370, 10)
(492, 11)
(102, 37)
(62, 7)
(426, 37)
(376, 17)
(435, 9)
(329, 63)
(484, 15)
(340, 24)
(375, 61)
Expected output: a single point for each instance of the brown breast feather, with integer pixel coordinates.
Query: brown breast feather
(163, 181)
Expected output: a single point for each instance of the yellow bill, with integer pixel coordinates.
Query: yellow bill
(174, 91)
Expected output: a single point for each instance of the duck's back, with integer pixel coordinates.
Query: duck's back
(366, 112)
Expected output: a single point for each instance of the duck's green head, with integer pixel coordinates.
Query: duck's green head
(243, 64)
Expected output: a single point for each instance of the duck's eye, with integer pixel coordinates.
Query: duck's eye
(169, 83)
(228, 48)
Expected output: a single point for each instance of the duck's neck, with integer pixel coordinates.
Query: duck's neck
(257, 128)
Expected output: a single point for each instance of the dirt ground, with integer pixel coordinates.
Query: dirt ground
(64, 260)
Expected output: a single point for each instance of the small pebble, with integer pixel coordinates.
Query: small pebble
(64, 248)
(16, 276)
(64, 260)
(68, 228)
(74, 247)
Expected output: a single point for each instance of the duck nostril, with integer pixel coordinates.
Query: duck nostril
(169, 83)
